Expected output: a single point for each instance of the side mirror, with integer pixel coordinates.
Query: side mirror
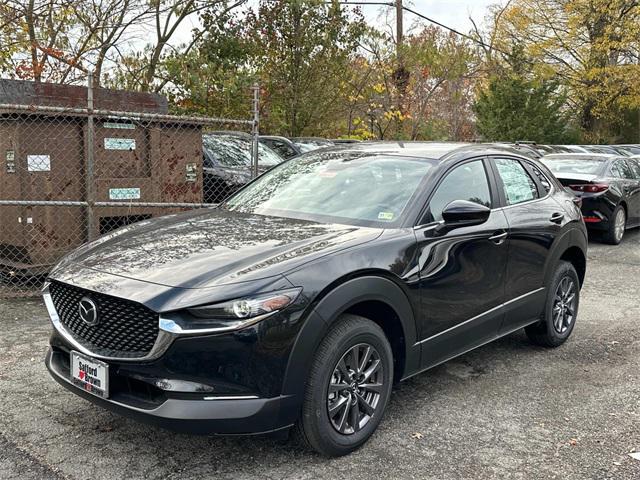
(463, 213)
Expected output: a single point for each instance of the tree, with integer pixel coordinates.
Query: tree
(215, 76)
(591, 46)
(144, 69)
(442, 74)
(514, 108)
(303, 49)
(440, 78)
(35, 35)
(62, 40)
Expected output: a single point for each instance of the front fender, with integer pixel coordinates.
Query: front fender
(327, 311)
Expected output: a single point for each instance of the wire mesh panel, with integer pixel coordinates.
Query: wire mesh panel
(69, 175)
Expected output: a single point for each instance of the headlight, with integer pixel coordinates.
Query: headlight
(230, 315)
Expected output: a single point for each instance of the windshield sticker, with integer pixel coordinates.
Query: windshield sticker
(385, 216)
(327, 173)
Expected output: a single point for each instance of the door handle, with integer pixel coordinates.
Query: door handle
(498, 237)
(557, 218)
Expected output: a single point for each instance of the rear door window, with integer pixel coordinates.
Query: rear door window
(518, 186)
(620, 169)
(634, 165)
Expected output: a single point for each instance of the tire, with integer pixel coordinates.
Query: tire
(617, 226)
(561, 309)
(317, 428)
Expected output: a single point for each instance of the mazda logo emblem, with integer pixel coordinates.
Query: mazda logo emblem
(88, 311)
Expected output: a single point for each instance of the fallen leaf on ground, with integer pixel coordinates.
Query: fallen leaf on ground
(573, 441)
(417, 435)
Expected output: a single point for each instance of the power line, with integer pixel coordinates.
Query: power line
(431, 20)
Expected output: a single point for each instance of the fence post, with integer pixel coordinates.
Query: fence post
(255, 131)
(89, 161)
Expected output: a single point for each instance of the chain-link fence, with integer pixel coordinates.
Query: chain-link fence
(69, 174)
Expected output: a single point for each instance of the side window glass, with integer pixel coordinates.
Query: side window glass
(628, 170)
(616, 170)
(466, 182)
(542, 178)
(518, 185)
(635, 166)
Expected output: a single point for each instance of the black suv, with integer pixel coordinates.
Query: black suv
(303, 298)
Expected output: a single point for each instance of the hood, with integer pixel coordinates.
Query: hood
(212, 247)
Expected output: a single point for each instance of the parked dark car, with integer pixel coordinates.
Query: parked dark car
(304, 297)
(608, 186)
(281, 145)
(606, 149)
(227, 163)
(528, 149)
(630, 149)
(556, 149)
(308, 144)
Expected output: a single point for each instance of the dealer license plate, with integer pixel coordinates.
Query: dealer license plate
(90, 374)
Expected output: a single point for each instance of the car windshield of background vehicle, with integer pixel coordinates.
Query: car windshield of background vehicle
(308, 147)
(352, 188)
(235, 151)
(585, 165)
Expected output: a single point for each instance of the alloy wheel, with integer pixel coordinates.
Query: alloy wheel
(564, 305)
(619, 224)
(355, 387)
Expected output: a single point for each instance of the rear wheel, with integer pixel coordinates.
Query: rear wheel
(348, 387)
(617, 226)
(561, 309)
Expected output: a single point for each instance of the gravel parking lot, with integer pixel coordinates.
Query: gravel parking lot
(507, 410)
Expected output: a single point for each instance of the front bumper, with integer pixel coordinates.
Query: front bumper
(225, 414)
(229, 382)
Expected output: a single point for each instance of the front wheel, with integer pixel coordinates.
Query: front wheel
(561, 308)
(348, 387)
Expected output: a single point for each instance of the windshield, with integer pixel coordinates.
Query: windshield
(578, 164)
(235, 151)
(341, 187)
(310, 144)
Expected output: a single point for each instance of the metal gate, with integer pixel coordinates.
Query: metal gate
(69, 174)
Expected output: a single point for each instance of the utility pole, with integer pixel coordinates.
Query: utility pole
(401, 75)
(399, 31)
(255, 129)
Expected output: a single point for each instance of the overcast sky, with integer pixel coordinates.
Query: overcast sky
(453, 13)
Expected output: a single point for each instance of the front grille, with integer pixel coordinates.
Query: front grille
(125, 329)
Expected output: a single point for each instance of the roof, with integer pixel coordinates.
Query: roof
(430, 150)
(579, 155)
(275, 137)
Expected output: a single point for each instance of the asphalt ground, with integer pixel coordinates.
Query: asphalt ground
(508, 410)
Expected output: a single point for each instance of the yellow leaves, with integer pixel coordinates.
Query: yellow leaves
(379, 87)
(395, 115)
